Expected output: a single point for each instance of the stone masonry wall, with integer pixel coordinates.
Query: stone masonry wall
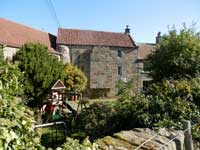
(9, 52)
(104, 67)
(143, 76)
(100, 64)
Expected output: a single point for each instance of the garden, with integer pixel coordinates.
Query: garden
(172, 98)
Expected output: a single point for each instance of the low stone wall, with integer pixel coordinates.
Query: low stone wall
(130, 140)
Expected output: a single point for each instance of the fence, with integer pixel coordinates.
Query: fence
(53, 134)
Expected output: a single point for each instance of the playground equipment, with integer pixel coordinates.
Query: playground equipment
(57, 106)
(55, 111)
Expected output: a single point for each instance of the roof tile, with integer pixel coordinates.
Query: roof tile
(88, 37)
(145, 49)
(15, 35)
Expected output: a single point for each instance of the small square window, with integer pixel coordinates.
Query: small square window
(119, 53)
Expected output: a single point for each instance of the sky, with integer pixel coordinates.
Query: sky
(145, 17)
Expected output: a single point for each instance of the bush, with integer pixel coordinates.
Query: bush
(16, 120)
(168, 105)
(72, 144)
(102, 119)
(74, 79)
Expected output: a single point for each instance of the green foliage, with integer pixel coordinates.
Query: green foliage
(1, 55)
(176, 102)
(74, 80)
(125, 89)
(177, 55)
(16, 120)
(39, 67)
(72, 144)
(12, 75)
(168, 105)
(179, 101)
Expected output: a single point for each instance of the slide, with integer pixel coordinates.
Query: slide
(70, 108)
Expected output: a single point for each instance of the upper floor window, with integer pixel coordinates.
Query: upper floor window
(119, 53)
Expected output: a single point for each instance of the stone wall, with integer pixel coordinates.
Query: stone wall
(9, 52)
(65, 53)
(104, 65)
(132, 139)
(143, 76)
(100, 64)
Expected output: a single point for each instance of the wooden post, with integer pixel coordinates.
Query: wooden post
(188, 137)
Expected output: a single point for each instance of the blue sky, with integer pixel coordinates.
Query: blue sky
(145, 17)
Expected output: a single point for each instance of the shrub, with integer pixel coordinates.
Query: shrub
(16, 120)
(74, 79)
(168, 105)
(72, 144)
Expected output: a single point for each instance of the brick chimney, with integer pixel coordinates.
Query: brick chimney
(127, 30)
(158, 37)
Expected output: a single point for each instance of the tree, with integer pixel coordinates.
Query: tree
(74, 80)
(177, 55)
(40, 69)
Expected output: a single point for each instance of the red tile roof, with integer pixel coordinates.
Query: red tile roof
(98, 38)
(145, 49)
(15, 35)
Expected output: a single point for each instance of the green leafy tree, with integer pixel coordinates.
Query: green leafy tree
(74, 80)
(39, 67)
(16, 120)
(177, 55)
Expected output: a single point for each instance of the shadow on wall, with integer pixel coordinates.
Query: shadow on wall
(52, 39)
(98, 93)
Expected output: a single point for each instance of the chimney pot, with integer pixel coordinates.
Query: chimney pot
(158, 37)
(127, 30)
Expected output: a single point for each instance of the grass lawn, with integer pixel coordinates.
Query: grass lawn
(91, 101)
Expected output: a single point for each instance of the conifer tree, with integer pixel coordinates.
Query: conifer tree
(40, 69)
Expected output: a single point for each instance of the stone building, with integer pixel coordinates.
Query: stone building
(14, 35)
(144, 49)
(105, 57)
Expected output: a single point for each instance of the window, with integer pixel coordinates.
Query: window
(145, 65)
(146, 84)
(119, 53)
(120, 70)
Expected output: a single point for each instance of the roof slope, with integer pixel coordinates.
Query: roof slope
(58, 85)
(98, 38)
(15, 35)
(145, 49)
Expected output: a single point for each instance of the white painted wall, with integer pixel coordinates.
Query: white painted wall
(9, 52)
